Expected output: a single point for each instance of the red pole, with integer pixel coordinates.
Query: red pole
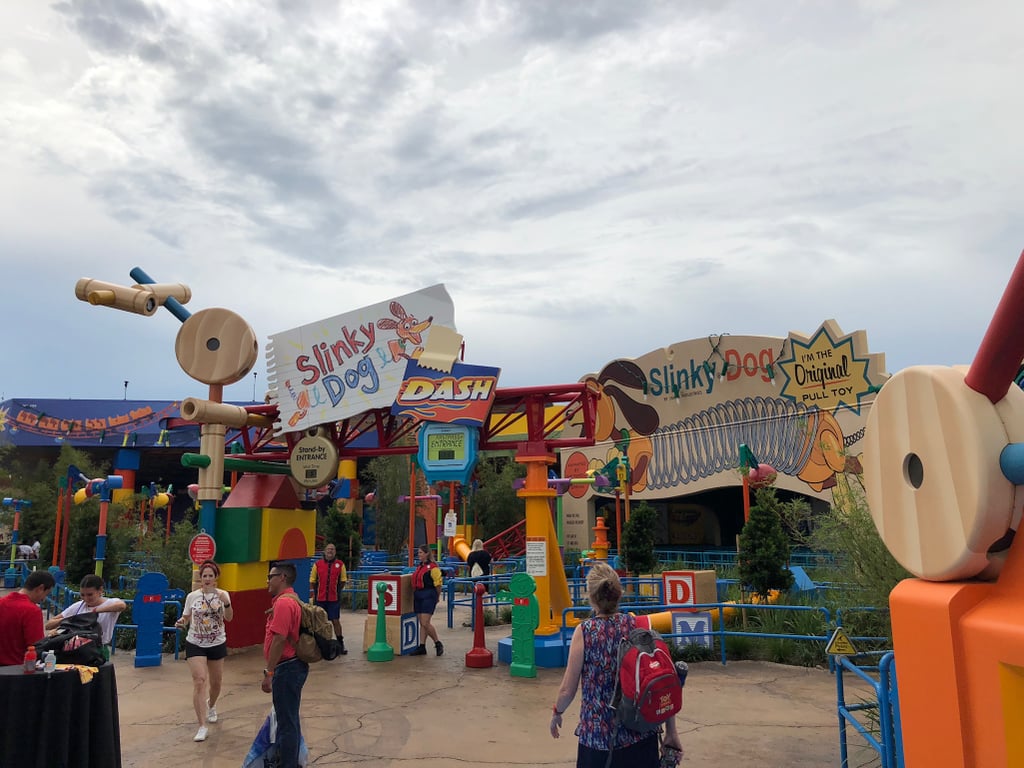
(64, 532)
(56, 530)
(479, 657)
(746, 499)
(167, 534)
(1002, 347)
(618, 522)
(412, 510)
(143, 505)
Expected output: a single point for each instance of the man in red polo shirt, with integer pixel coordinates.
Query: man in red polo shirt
(21, 620)
(285, 674)
(327, 578)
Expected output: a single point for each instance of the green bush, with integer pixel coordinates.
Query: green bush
(341, 530)
(638, 540)
(691, 652)
(764, 547)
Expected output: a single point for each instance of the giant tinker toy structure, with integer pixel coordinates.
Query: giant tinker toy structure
(944, 473)
(332, 381)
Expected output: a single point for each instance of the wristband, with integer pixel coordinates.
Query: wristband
(268, 673)
(554, 708)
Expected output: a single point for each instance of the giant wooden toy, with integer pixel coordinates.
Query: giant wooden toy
(944, 462)
(260, 521)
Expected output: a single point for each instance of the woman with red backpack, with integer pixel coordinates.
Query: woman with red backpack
(593, 660)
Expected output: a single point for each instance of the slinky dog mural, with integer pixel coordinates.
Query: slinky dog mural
(676, 418)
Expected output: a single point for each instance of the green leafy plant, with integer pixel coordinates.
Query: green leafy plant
(494, 505)
(764, 547)
(691, 652)
(342, 530)
(389, 477)
(637, 549)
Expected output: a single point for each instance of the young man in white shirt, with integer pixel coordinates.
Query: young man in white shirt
(107, 609)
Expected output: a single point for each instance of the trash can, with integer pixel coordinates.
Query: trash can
(11, 578)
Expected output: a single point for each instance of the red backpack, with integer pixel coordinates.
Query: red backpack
(648, 688)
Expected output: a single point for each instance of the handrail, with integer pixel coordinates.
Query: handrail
(890, 744)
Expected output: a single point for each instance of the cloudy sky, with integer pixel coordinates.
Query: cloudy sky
(590, 180)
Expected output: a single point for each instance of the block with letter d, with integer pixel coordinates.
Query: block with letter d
(402, 633)
(689, 587)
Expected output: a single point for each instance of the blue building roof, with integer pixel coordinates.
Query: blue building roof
(94, 423)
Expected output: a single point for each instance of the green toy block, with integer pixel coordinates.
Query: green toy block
(238, 534)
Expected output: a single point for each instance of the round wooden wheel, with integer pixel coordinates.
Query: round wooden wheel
(216, 346)
(931, 470)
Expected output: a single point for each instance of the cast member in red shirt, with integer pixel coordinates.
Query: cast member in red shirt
(21, 620)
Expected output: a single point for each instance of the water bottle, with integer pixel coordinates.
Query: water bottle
(49, 662)
(670, 757)
(30, 660)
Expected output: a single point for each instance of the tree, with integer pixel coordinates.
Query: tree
(389, 477)
(342, 530)
(637, 548)
(861, 558)
(764, 547)
(495, 505)
(37, 481)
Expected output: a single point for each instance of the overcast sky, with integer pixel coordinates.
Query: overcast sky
(590, 180)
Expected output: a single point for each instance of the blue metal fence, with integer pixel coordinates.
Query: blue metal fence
(887, 741)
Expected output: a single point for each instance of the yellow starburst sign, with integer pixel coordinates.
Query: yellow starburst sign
(828, 370)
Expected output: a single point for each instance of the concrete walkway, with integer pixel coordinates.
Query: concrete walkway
(432, 712)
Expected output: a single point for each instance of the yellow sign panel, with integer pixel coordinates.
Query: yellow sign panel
(840, 644)
(828, 370)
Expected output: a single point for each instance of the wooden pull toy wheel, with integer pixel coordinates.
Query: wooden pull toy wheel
(216, 346)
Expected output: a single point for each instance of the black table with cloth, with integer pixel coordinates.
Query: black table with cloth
(57, 721)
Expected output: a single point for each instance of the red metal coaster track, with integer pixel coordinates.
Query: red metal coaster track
(545, 410)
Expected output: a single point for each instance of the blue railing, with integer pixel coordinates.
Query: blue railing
(716, 558)
(889, 741)
(720, 632)
(465, 587)
(164, 630)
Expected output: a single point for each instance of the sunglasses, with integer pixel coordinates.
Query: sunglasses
(272, 575)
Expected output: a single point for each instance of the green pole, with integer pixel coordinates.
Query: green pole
(198, 460)
(380, 650)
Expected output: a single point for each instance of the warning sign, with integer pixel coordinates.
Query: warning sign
(536, 555)
(202, 548)
(840, 644)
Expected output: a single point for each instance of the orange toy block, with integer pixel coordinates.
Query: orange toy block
(287, 534)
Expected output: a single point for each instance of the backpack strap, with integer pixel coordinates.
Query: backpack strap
(616, 698)
(288, 637)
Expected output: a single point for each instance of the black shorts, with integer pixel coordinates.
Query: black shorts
(642, 753)
(213, 653)
(424, 600)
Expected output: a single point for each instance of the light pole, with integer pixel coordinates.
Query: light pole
(254, 386)
(126, 389)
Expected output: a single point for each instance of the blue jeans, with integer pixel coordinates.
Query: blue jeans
(286, 692)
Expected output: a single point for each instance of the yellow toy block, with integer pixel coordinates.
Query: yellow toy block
(287, 534)
(240, 577)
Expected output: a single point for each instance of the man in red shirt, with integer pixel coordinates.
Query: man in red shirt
(285, 674)
(327, 578)
(21, 620)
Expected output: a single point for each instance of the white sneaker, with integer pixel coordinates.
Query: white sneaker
(211, 715)
(200, 734)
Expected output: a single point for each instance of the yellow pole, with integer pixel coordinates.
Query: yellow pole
(552, 587)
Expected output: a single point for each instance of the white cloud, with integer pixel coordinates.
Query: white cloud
(590, 180)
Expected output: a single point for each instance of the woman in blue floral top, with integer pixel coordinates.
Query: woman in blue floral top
(593, 658)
